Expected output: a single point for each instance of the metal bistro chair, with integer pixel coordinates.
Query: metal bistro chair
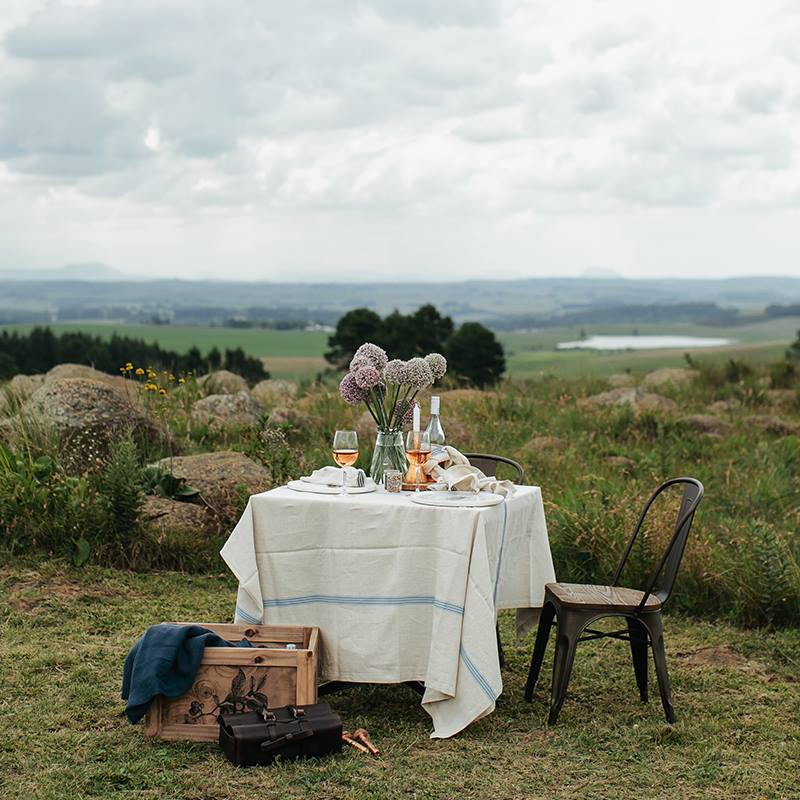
(488, 464)
(577, 606)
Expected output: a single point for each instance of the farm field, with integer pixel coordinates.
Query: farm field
(299, 354)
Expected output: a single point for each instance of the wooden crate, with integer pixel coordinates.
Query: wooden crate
(243, 675)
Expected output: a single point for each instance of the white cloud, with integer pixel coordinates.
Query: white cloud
(346, 136)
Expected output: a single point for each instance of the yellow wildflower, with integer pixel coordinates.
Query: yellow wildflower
(139, 371)
(162, 391)
(181, 380)
(171, 377)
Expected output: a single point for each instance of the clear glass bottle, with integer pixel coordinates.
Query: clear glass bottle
(434, 429)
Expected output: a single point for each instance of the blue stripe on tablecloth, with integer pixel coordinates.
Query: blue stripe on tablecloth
(476, 673)
(500, 554)
(337, 599)
(240, 612)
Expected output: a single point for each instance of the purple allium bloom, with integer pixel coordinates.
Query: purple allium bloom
(369, 355)
(395, 371)
(367, 377)
(350, 391)
(437, 363)
(418, 373)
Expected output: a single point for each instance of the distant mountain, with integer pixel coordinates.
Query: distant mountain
(90, 271)
(110, 295)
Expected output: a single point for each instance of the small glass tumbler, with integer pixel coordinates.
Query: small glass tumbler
(393, 480)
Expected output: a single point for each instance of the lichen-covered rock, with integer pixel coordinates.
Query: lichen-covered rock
(225, 479)
(222, 382)
(775, 425)
(162, 515)
(620, 380)
(78, 407)
(227, 411)
(668, 376)
(272, 391)
(294, 417)
(707, 423)
(126, 388)
(21, 387)
(727, 406)
(632, 396)
(784, 399)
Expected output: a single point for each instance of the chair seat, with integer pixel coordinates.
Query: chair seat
(580, 595)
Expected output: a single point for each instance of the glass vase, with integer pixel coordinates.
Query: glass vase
(389, 454)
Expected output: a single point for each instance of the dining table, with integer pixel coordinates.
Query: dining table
(400, 591)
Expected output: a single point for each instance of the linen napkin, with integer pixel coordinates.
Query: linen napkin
(452, 471)
(332, 476)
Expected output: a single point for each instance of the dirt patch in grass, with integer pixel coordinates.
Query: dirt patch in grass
(721, 657)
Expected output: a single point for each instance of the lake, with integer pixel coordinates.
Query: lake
(642, 343)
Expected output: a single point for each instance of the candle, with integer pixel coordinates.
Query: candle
(416, 417)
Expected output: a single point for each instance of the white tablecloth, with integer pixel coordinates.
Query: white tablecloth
(399, 591)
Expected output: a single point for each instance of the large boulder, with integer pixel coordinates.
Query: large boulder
(225, 479)
(620, 379)
(164, 515)
(668, 376)
(227, 411)
(272, 391)
(770, 424)
(727, 406)
(222, 382)
(292, 417)
(21, 387)
(636, 398)
(708, 424)
(783, 399)
(91, 411)
(126, 388)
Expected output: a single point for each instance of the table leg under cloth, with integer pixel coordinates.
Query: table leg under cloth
(400, 592)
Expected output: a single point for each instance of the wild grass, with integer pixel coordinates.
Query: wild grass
(596, 469)
(64, 634)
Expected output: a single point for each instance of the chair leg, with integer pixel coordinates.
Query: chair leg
(500, 654)
(656, 630)
(542, 636)
(566, 644)
(638, 639)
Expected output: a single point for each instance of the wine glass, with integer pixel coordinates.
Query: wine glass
(418, 450)
(345, 452)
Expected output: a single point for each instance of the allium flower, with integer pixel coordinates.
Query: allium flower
(367, 377)
(437, 363)
(408, 414)
(418, 373)
(350, 391)
(395, 371)
(369, 355)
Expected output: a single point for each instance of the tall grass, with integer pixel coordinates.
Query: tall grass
(743, 558)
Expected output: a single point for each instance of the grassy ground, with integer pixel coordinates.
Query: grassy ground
(64, 634)
(298, 354)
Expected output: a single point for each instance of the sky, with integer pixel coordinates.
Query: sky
(384, 140)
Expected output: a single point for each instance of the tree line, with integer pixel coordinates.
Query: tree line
(472, 350)
(41, 349)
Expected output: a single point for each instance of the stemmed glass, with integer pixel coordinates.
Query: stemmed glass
(345, 452)
(418, 450)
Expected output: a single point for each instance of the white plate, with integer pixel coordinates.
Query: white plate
(318, 488)
(457, 499)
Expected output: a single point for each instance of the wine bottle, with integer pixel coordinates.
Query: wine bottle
(434, 429)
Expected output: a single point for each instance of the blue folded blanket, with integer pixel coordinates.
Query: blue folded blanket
(164, 662)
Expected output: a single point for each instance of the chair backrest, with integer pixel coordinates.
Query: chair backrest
(663, 577)
(487, 464)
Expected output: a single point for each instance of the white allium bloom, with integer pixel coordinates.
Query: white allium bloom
(438, 364)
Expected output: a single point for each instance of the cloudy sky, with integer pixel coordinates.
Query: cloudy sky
(424, 138)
